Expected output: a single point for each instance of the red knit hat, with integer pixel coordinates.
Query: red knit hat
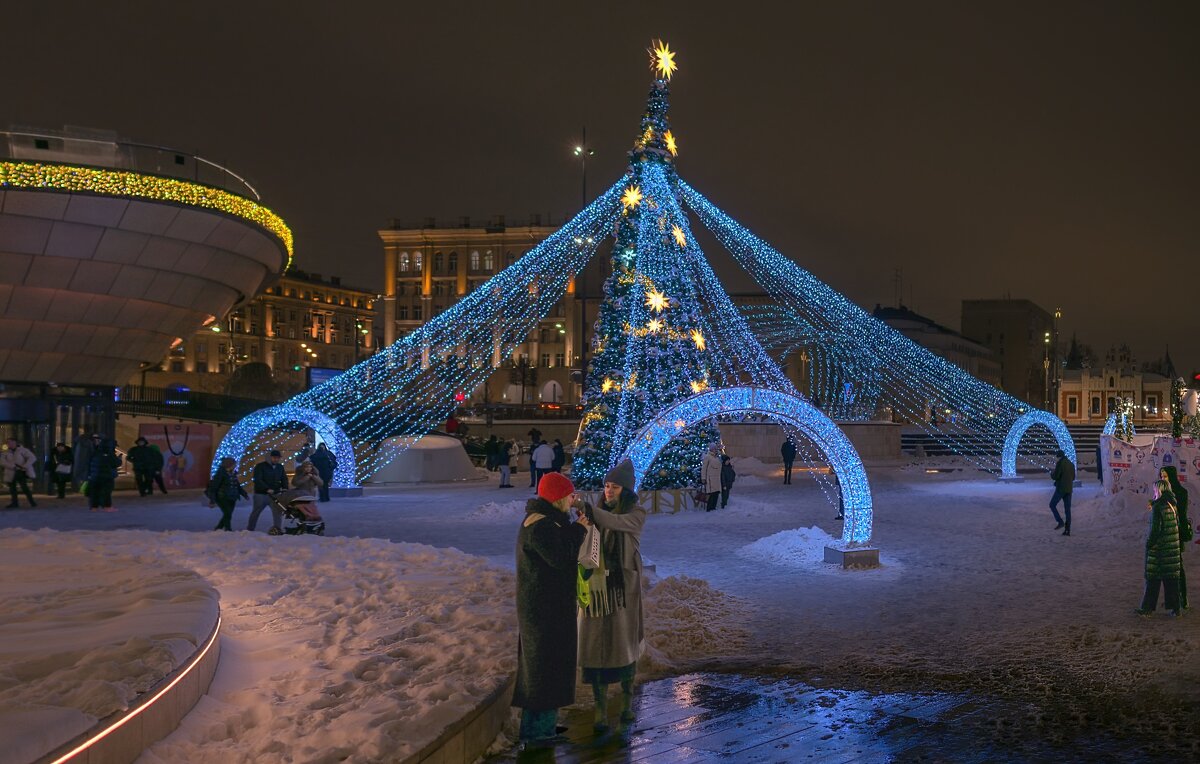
(553, 486)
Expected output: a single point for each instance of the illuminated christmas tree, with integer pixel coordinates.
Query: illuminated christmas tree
(649, 349)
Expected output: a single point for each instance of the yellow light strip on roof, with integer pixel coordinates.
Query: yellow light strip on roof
(93, 180)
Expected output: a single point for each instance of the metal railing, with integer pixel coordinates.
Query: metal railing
(97, 148)
(174, 403)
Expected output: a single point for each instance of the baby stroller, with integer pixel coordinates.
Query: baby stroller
(300, 513)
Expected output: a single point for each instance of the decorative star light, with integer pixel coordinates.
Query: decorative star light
(606, 386)
(698, 338)
(680, 424)
(699, 386)
(680, 237)
(632, 197)
(662, 59)
(656, 301)
(654, 325)
(671, 145)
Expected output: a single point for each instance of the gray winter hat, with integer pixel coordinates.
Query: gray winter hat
(622, 475)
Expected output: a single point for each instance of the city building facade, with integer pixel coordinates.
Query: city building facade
(1024, 338)
(302, 321)
(973, 357)
(1088, 396)
(429, 267)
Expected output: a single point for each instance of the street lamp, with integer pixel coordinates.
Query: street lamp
(1046, 367)
(583, 151)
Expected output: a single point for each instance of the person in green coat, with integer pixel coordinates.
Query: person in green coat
(1171, 475)
(1163, 560)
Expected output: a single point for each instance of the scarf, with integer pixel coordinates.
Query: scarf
(606, 585)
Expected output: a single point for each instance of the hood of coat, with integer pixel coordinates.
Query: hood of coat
(540, 506)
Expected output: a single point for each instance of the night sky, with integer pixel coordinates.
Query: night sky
(1043, 150)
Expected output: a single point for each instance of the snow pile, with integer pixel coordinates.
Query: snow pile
(802, 548)
(688, 621)
(84, 633)
(495, 512)
(752, 465)
(332, 648)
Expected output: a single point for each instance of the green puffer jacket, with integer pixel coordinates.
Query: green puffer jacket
(1163, 559)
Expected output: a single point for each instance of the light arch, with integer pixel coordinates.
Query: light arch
(820, 429)
(237, 441)
(1008, 458)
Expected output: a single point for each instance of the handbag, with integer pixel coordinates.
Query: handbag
(62, 469)
(589, 552)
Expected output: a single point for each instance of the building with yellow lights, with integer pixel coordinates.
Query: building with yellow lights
(430, 266)
(302, 321)
(110, 252)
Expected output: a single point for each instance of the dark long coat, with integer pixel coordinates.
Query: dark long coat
(547, 553)
(1163, 558)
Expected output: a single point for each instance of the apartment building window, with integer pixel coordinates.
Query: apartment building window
(1095, 404)
(545, 359)
(558, 359)
(488, 262)
(437, 262)
(416, 313)
(452, 262)
(202, 366)
(402, 312)
(1152, 403)
(1072, 405)
(403, 262)
(177, 366)
(510, 258)
(222, 349)
(474, 259)
(291, 332)
(254, 327)
(418, 261)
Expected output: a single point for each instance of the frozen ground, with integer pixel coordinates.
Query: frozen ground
(977, 593)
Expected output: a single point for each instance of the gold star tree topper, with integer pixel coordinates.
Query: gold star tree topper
(662, 59)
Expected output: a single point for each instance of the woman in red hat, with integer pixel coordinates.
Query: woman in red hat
(547, 554)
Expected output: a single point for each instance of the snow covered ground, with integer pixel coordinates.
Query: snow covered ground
(977, 593)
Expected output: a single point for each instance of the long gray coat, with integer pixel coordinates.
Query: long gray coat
(547, 553)
(615, 640)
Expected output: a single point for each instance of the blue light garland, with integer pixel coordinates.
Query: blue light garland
(788, 409)
(1008, 459)
(238, 441)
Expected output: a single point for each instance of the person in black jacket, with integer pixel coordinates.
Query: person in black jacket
(547, 554)
(102, 475)
(326, 463)
(1064, 483)
(60, 465)
(728, 475)
(269, 479)
(560, 457)
(143, 458)
(788, 452)
(224, 491)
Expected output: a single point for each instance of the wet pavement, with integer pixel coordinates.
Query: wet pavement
(728, 717)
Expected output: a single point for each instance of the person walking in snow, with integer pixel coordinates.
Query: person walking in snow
(1064, 483)
(611, 633)
(18, 466)
(143, 459)
(269, 479)
(728, 475)
(788, 452)
(541, 461)
(102, 474)
(224, 490)
(1163, 558)
(1170, 474)
(710, 476)
(60, 465)
(326, 464)
(503, 459)
(547, 554)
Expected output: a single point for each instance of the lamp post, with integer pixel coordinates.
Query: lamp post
(1046, 367)
(583, 151)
